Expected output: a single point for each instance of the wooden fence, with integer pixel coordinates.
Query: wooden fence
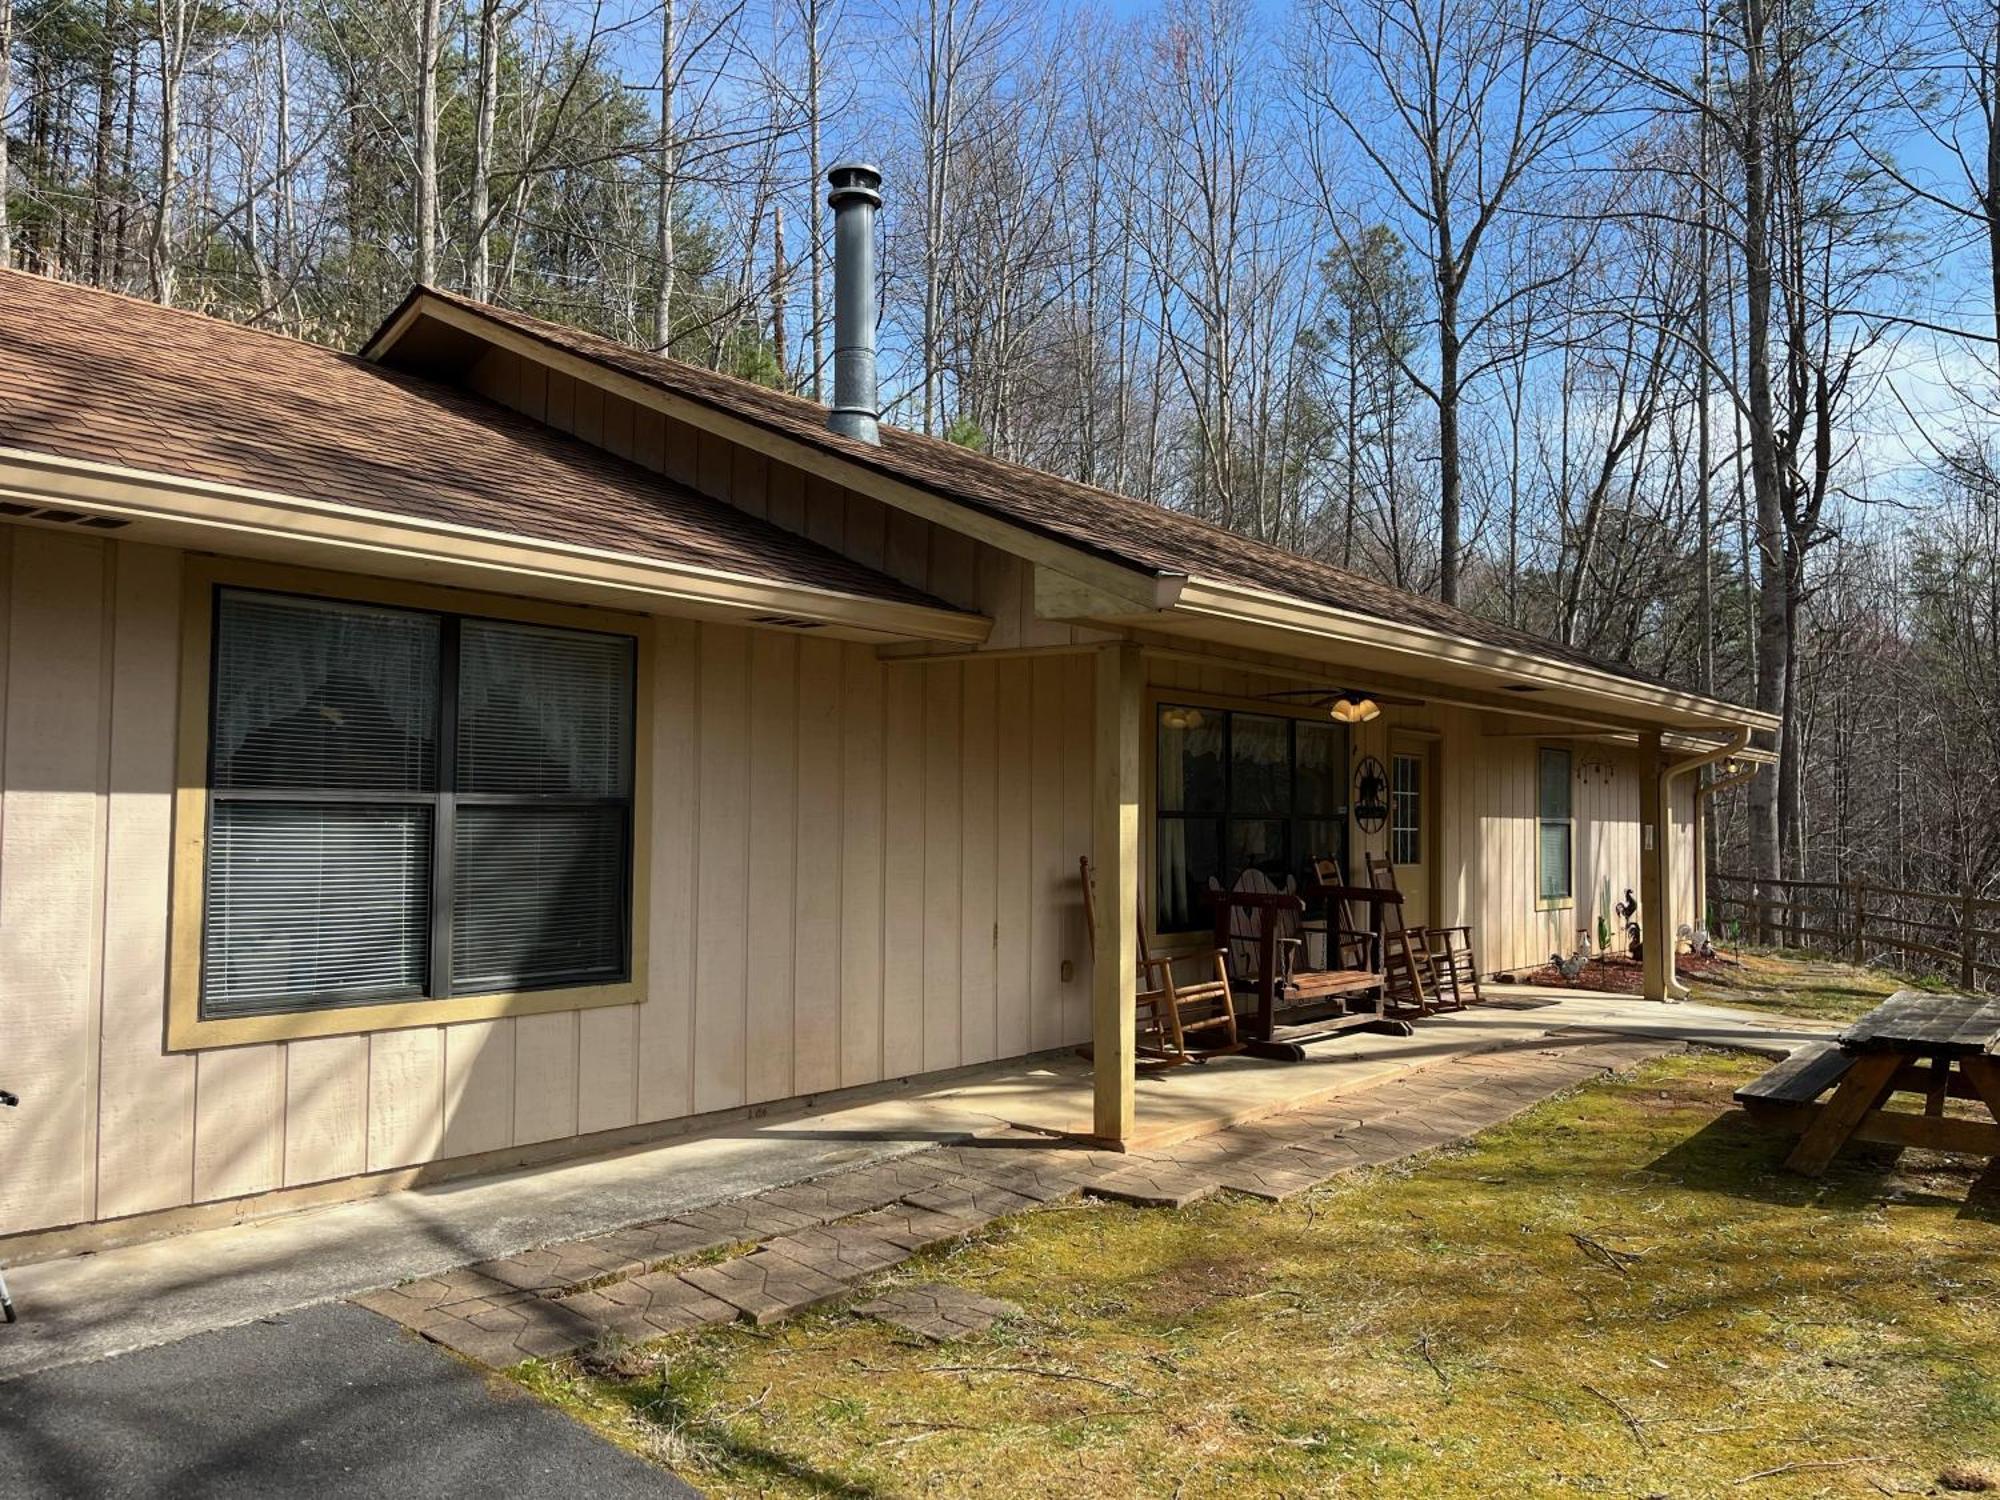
(1919, 932)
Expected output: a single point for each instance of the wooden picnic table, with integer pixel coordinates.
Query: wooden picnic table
(1941, 1046)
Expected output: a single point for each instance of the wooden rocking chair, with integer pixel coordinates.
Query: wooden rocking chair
(1448, 950)
(1168, 1009)
(1406, 959)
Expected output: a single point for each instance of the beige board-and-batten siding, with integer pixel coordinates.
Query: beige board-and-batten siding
(859, 872)
(1492, 803)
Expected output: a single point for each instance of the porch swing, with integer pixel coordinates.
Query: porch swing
(1301, 996)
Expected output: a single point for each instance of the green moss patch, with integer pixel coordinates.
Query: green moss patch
(1814, 989)
(1619, 1293)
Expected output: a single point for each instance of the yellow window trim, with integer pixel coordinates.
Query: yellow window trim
(186, 1030)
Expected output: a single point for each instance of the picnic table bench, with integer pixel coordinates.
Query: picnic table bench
(1938, 1045)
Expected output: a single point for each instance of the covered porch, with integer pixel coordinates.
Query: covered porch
(1523, 796)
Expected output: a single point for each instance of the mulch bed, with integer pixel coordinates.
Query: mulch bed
(1625, 976)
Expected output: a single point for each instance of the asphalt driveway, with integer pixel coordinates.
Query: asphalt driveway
(330, 1401)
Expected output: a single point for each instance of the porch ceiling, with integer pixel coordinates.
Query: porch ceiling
(1363, 652)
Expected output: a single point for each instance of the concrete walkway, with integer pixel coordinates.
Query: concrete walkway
(790, 1249)
(87, 1307)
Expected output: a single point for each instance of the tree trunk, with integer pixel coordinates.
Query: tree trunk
(663, 208)
(1353, 414)
(172, 23)
(1773, 590)
(778, 274)
(428, 25)
(815, 241)
(286, 205)
(6, 93)
(1448, 455)
(102, 272)
(479, 253)
(1990, 67)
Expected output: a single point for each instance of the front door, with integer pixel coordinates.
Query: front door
(1410, 815)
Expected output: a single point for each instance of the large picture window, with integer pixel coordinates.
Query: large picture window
(1554, 847)
(1239, 791)
(408, 804)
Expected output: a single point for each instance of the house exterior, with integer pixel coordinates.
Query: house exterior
(504, 744)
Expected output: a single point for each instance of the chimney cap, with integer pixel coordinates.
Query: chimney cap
(854, 179)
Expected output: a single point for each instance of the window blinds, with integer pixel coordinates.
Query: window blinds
(315, 903)
(333, 823)
(539, 896)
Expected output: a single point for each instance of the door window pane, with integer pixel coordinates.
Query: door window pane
(1406, 793)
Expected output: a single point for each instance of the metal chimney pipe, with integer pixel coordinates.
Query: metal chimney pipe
(856, 195)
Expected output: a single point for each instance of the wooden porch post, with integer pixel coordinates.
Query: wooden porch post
(1114, 859)
(1698, 840)
(1656, 873)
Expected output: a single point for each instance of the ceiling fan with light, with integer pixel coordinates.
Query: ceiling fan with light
(1343, 705)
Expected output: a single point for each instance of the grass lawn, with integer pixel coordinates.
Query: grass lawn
(1617, 1294)
(1813, 988)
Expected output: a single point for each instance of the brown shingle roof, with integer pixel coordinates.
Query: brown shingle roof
(93, 375)
(1117, 527)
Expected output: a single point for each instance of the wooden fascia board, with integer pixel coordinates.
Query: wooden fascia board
(218, 513)
(1136, 587)
(398, 324)
(1630, 704)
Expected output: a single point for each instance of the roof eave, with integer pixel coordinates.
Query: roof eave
(229, 518)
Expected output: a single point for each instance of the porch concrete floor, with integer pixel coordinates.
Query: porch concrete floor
(87, 1307)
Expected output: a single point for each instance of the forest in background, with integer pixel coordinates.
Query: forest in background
(1667, 332)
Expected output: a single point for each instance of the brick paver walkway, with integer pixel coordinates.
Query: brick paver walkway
(811, 1243)
(938, 1310)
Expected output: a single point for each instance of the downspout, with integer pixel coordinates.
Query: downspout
(1670, 986)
